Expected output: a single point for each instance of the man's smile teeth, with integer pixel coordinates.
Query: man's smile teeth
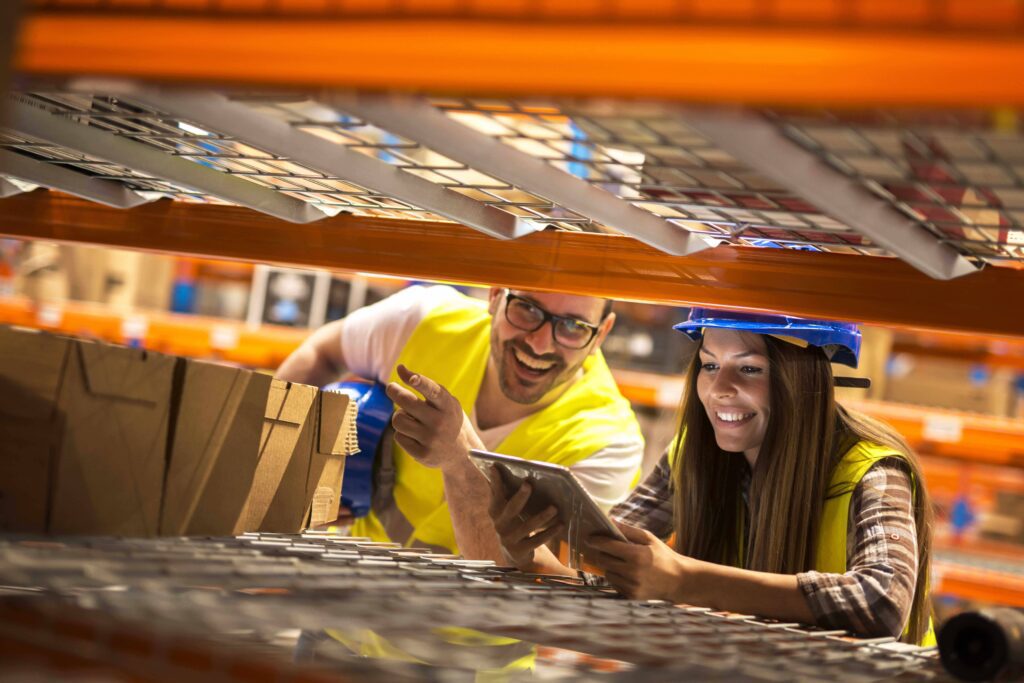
(733, 417)
(532, 363)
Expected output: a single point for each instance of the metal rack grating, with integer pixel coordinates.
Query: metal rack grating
(378, 608)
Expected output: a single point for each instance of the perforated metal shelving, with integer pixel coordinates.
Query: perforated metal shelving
(364, 608)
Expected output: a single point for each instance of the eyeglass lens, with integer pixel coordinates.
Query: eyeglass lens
(568, 332)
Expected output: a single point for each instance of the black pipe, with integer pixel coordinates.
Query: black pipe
(986, 645)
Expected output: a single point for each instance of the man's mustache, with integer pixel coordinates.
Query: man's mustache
(547, 357)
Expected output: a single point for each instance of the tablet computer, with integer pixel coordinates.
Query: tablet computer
(552, 485)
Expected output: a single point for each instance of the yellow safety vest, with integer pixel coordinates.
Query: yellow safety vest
(831, 553)
(451, 346)
(503, 656)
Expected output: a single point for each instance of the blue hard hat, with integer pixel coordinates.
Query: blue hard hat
(839, 341)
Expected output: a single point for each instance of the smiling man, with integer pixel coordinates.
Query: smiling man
(519, 374)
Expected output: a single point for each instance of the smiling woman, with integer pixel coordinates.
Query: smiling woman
(772, 499)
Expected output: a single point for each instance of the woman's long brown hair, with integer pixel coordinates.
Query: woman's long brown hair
(807, 434)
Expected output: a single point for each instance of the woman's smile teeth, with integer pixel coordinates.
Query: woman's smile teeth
(733, 417)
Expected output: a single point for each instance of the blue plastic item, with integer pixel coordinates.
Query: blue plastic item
(374, 413)
(840, 341)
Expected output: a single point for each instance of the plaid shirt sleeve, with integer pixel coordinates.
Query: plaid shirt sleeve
(649, 506)
(873, 598)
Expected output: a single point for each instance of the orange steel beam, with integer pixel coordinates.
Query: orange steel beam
(868, 289)
(927, 57)
(993, 440)
(970, 583)
(182, 335)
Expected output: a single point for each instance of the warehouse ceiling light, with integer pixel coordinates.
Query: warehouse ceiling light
(213, 111)
(420, 121)
(97, 143)
(761, 145)
(59, 178)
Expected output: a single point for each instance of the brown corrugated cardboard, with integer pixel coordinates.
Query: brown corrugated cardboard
(116, 403)
(277, 499)
(101, 439)
(215, 449)
(336, 439)
(31, 365)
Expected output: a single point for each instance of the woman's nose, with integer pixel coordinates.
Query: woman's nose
(724, 385)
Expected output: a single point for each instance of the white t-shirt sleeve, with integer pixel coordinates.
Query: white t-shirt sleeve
(372, 337)
(608, 474)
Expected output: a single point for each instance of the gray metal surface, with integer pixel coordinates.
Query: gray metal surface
(95, 142)
(943, 189)
(419, 120)
(761, 145)
(59, 178)
(218, 113)
(406, 614)
(8, 189)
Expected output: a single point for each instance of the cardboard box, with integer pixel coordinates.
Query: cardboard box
(249, 452)
(103, 439)
(214, 449)
(306, 435)
(336, 440)
(949, 383)
(31, 426)
(116, 404)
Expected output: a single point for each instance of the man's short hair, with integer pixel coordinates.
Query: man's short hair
(607, 308)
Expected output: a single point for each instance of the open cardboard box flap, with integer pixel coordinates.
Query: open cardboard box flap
(124, 373)
(289, 402)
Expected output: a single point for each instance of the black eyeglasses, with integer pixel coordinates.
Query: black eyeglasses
(528, 316)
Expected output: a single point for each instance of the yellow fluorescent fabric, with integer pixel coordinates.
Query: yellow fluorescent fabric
(451, 346)
(831, 553)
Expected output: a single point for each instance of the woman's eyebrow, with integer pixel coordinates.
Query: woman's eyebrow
(745, 354)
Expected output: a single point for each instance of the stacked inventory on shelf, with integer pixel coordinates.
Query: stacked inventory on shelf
(349, 606)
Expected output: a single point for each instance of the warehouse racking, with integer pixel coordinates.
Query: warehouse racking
(873, 172)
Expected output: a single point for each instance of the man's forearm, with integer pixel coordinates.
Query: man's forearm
(468, 496)
(318, 361)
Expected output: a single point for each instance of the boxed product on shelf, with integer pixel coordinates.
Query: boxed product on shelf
(104, 439)
(31, 365)
(250, 453)
(949, 383)
(109, 469)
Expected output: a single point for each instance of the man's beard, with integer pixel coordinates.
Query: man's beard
(511, 383)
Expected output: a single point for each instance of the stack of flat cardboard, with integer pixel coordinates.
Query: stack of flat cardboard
(102, 439)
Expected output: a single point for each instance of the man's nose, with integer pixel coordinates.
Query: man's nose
(540, 341)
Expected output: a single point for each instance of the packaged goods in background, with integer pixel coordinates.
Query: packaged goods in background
(103, 439)
(947, 383)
